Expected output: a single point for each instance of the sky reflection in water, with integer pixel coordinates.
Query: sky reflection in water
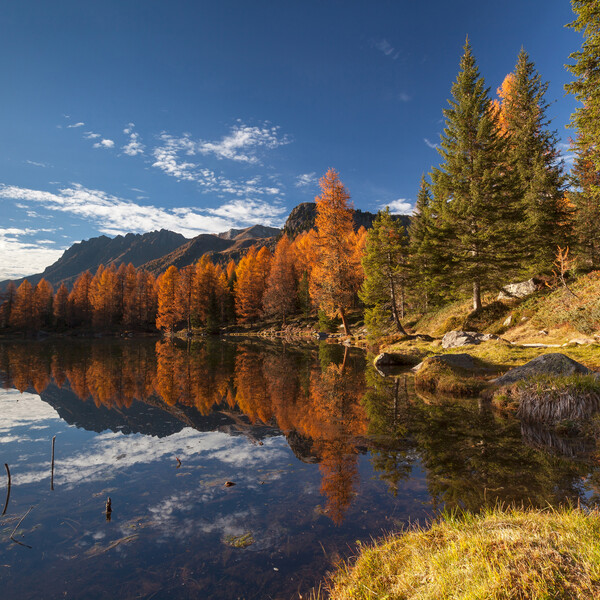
(323, 452)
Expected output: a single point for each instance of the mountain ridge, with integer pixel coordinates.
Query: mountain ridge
(155, 251)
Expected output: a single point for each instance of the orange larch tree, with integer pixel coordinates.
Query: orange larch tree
(169, 311)
(42, 302)
(60, 306)
(335, 277)
(23, 310)
(80, 306)
(280, 294)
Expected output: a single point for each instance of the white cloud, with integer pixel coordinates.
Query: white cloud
(398, 207)
(240, 145)
(113, 215)
(566, 154)
(386, 48)
(90, 135)
(24, 257)
(104, 143)
(134, 146)
(430, 144)
(80, 124)
(37, 164)
(306, 179)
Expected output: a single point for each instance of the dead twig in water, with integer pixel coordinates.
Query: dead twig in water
(52, 475)
(17, 527)
(7, 490)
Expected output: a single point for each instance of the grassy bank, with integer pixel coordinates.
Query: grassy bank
(495, 555)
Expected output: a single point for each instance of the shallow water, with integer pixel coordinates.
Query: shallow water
(323, 451)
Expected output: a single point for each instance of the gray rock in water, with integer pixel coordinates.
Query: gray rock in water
(455, 339)
(546, 364)
(390, 359)
(518, 290)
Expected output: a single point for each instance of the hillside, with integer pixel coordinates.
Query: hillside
(88, 254)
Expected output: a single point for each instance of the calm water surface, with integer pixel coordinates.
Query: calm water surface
(323, 451)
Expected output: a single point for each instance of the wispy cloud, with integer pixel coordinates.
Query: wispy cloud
(37, 164)
(404, 97)
(242, 143)
(432, 145)
(113, 215)
(172, 157)
(22, 256)
(104, 143)
(402, 206)
(134, 146)
(386, 48)
(567, 155)
(306, 179)
(90, 135)
(80, 124)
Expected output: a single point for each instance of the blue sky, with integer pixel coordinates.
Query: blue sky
(198, 116)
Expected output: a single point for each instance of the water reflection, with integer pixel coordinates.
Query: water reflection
(323, 449)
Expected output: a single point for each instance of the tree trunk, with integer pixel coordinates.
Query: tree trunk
(476, 295)
(344, 321)
(395, 309)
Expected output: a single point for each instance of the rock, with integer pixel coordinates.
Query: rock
(455, 339)
(389, 359)
(507, 321)
(542, 332)
(321, 335)
(460, 361)
(583, 341)
(546, 364)
(518, 290)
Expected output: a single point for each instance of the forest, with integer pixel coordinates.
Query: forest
(498, 208)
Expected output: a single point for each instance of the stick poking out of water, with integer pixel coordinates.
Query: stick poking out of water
(7, 490)
(17, 527)
(52, 475)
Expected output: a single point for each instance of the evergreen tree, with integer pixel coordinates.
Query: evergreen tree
(534, 159)
(474, 187)
(429, 258)
(585, 198)
(385, 265)
(586, 119)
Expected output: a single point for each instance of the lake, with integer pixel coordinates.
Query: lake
(323, 452)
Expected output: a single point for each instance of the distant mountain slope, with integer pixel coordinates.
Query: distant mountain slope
(157, 250)
(89, 254)
(302, 218)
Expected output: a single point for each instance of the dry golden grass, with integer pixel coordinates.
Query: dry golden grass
(496, 555)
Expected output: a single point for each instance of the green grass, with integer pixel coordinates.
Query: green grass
(551, 399)
(437, 376)
(496, 555)
(241, 541)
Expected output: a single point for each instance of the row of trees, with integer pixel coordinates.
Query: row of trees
(320, 267)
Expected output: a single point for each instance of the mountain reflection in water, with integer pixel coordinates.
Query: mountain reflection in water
(323, 449)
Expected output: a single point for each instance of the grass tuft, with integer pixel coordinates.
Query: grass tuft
(496, 555)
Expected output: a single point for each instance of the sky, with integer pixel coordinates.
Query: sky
(125, 116)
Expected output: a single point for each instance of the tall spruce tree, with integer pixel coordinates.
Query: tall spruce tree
(586, 119)
(535, 160)
(429, 258)
(474, 186)
(385, 264)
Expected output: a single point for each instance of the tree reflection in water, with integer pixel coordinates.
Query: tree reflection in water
(331, 407)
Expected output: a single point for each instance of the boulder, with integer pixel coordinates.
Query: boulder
(546, 364)
(456, 361)
(390, 359)
(518, 290)
(455, 339)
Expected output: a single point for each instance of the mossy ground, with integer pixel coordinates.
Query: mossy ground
(496, 555)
